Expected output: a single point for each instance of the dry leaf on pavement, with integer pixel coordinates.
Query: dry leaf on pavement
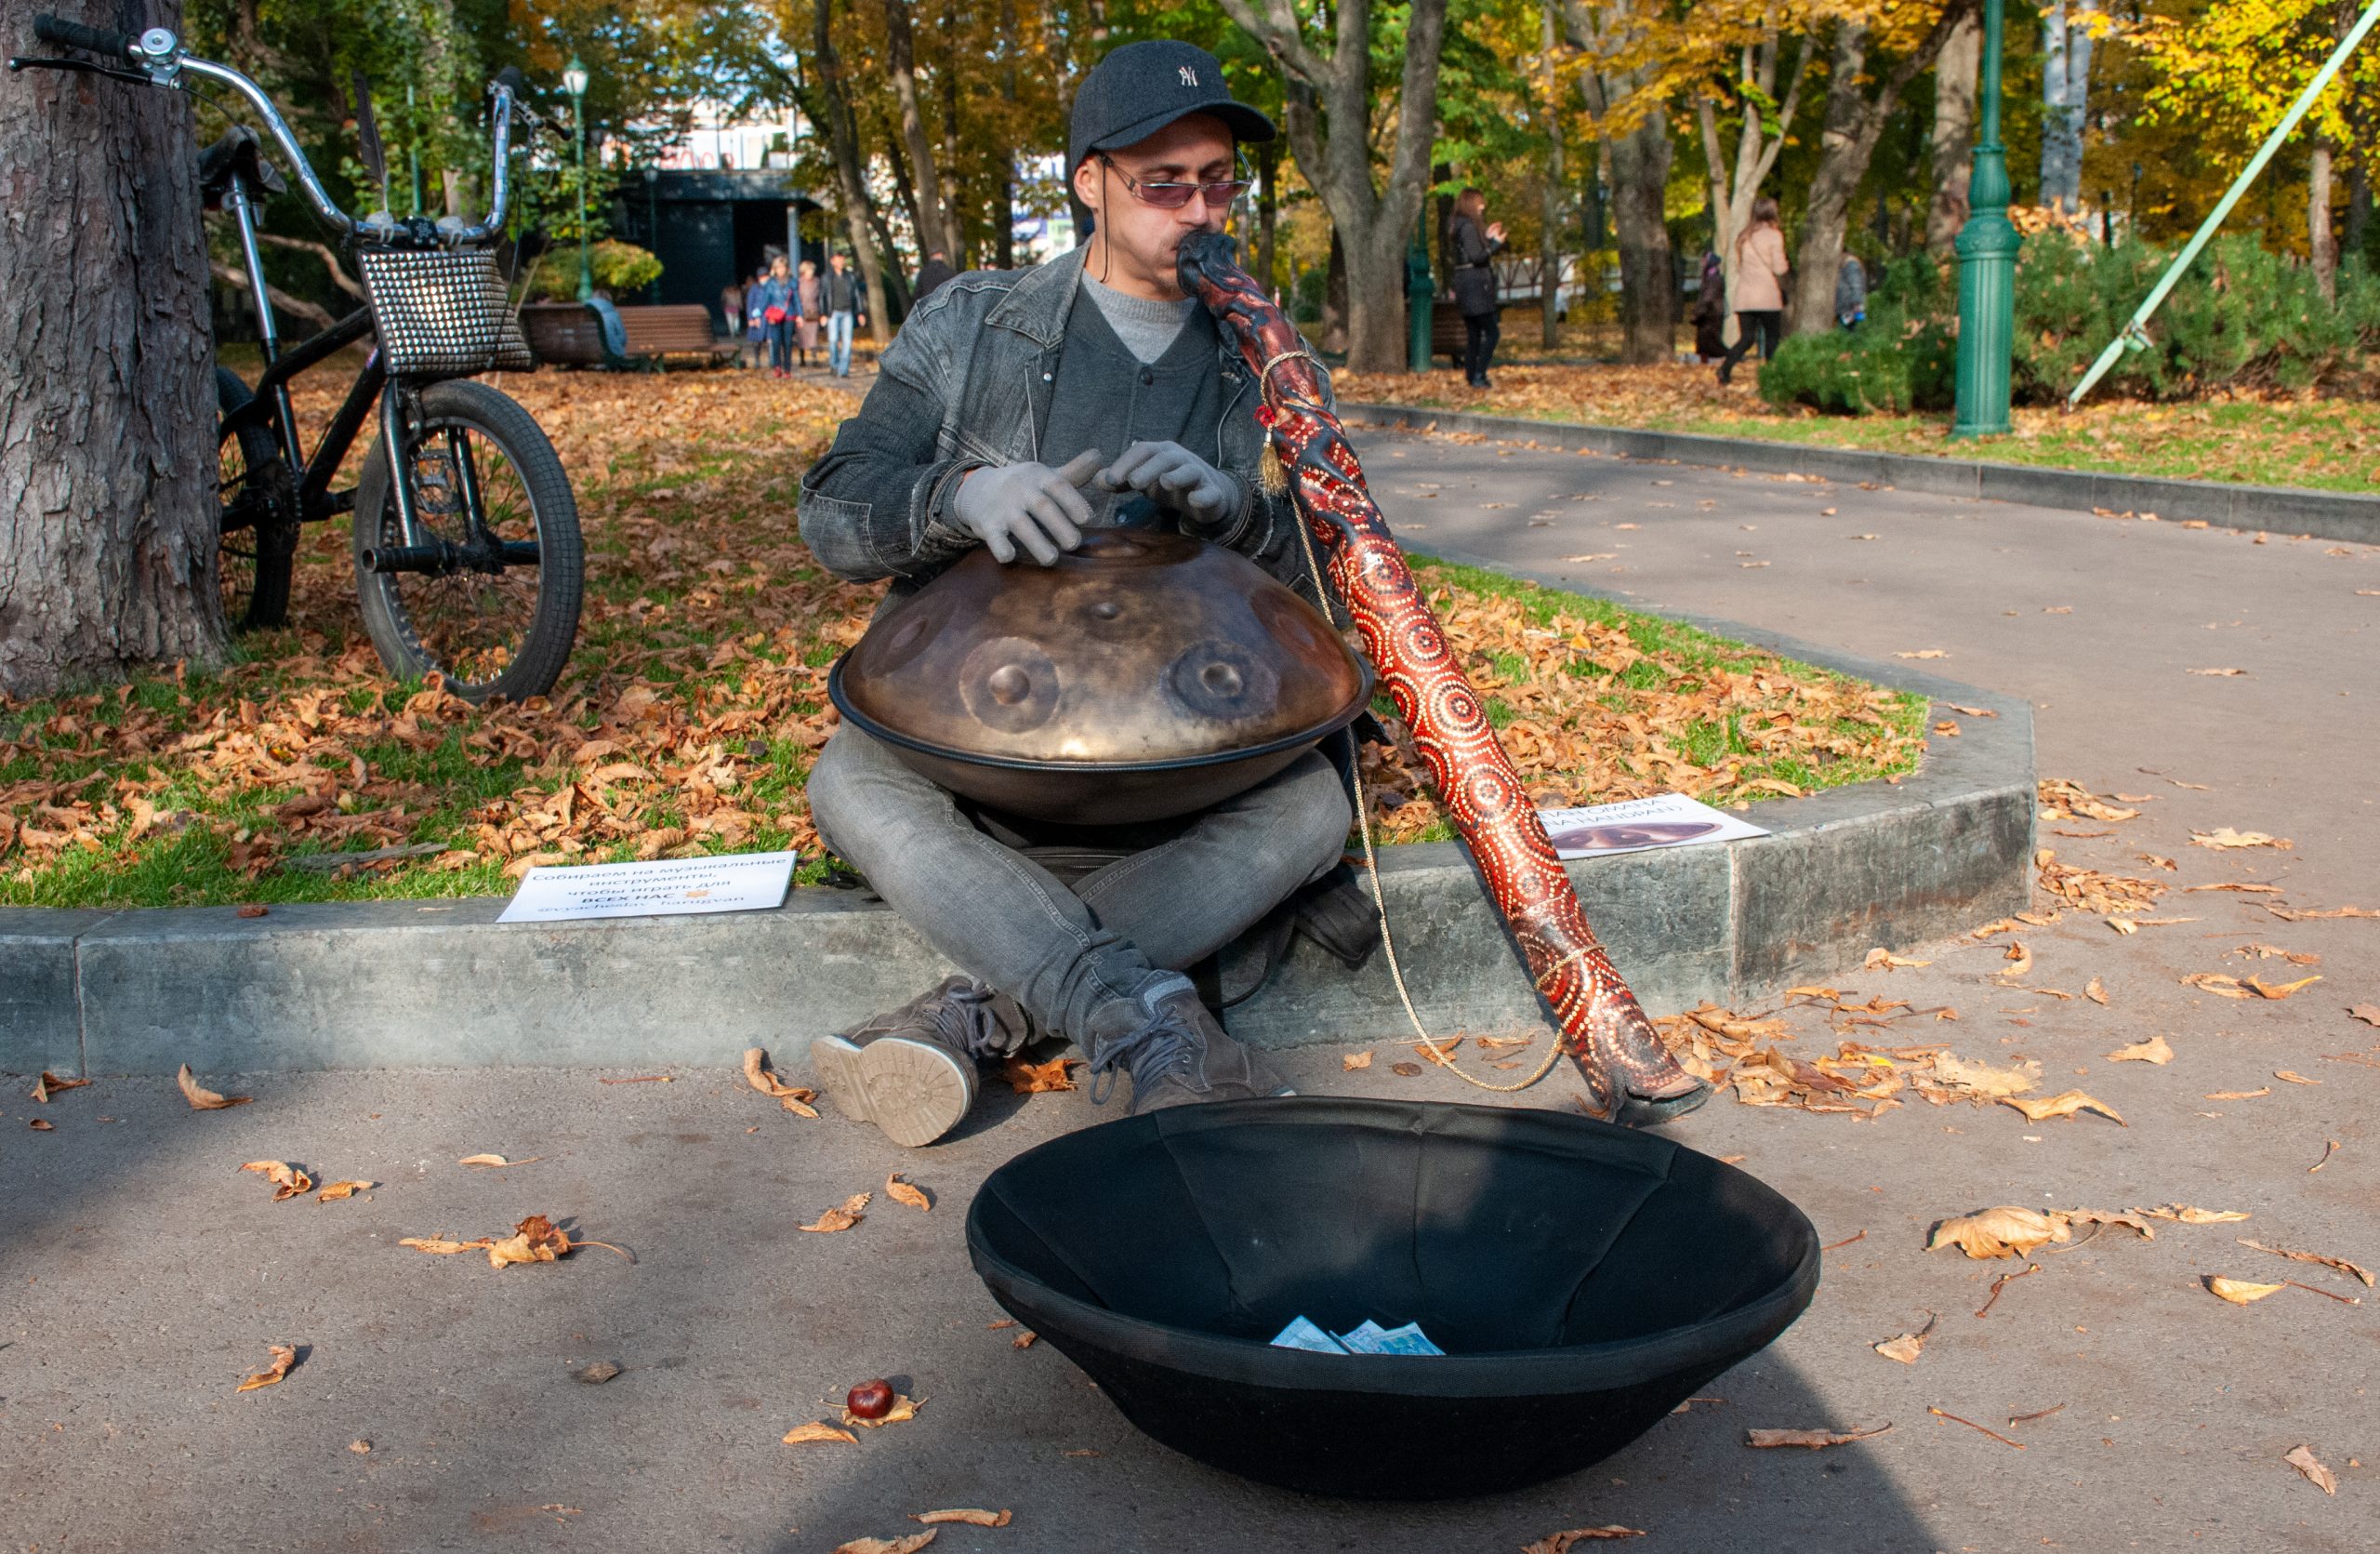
(2095, 992)
(1907, 1345)
(905, 1408)
(1356, 1060)
(2064, 1104)
(2353, 1270)
(902, 1192)
(909, 1545)
(535, 1239)
(2291, 1076)
(2225, 837)
(2189, 1214)
(2006, 1231)
(50, 1084)
(2239, 1292)
(1881, 959)
(2303, 1460)
(1033, 1079)
(284, 1356)
(2153, 1050)
(1562, 1541)
(203, 1099)
(41, 1125)
(967, 1516)
(2368, 1013)
(839, 1219)
(804, 1434)
(442, 1246)
(287, 1180)
(496, 1160)
(2020, 960)
(341, 1189)
(1024, 1340)
(2130, 1219)
(2238, 1094)
(2216, 983)
(1808, 1437)
(1405, 1071)
(792, 1098)
(2278, 990)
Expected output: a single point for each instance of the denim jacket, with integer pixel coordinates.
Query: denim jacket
(967, 384)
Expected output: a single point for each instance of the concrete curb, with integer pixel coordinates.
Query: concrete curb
(438, 984)
(2278, 509)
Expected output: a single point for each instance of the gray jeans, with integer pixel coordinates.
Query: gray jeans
(1076, 959)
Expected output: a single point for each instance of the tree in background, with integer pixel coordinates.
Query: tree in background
(2066, 95)
(1633, 60)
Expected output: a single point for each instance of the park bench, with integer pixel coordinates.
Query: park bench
(1446, 325)
(568, 334)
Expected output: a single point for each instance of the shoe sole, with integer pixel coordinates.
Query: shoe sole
(914, 1091)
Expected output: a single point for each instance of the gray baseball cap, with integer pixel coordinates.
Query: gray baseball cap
(1141, 88)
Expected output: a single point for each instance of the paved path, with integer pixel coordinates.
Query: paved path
(142, 1274)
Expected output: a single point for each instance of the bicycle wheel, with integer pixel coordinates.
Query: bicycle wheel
(257, 547)
(490, 630)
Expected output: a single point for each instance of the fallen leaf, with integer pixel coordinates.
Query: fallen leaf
(842, 1219)
(2216, 983)
(969, 1518)
(1406, 1069)
(902, 1192)
(535, 1239)
(284, 1356)
(2153, 1050)
(1562, 1541)
(2095, 993)
(1907, 1345)
(1809, 1438)
(2186, 1215)
(2238, 1094)
(1923, 653)
(597, 1374)
(440, 1246)
(287, 1180)
(1980, 1081)
(792, 1098)
(2123, 925)
(2064, 1104)
(1354, 1060)
(2352, 1270)
(1035, 1079)
(203, 1099)
(2278, 989)
(2224, 837)
(252, 910)
(2239, 1292)
(2303, 1460)
(1880, 957)
(2007, 1232)
(2368, 1013)
(359, 1446)
(50, 1084)
(909, 1545)
(496, 1160)
(2243, 888)
(341, 1189)
(2330, 1147)
(2287, 915)
(1024, 1340)
(905, 1408)
(802, 1435)
(2020, 960)
(2223, 671)
(41, 1125)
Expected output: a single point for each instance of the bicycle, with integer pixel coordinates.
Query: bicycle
(466, 544)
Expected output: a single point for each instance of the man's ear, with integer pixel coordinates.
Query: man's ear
(1086, 182)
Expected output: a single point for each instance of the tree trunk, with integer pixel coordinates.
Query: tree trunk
(1371, 217)
(843, 135)
(1549, 248)
(1334, 296)
(1854, 120)
(955, 205)
(107, 386)
(2358, 208)
(934, 228)
(1640, 177)
(1734, 190)
(2322, 249)
(1268, 213)
(2066, 90)
(1953, 143)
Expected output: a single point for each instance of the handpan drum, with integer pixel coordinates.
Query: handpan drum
(1146, 674)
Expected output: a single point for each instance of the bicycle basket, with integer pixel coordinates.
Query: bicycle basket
(442, 312)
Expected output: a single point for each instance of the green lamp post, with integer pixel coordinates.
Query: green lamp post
(574, 81)
(1421, 294)
(1987, 247)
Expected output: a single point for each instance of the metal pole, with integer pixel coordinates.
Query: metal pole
(2134, 334)
(1421, 294)
(1987, 248)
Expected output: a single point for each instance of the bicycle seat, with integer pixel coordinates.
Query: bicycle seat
(236, 153)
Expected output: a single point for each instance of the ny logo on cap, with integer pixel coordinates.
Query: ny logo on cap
(1189, 77)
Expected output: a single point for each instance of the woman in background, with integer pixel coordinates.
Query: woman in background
(1474, 247)
(810, 311)
(1761, 273)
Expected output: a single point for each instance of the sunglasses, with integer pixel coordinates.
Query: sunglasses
(1173, 197)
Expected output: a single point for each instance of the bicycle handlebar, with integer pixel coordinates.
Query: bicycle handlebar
(91, 40)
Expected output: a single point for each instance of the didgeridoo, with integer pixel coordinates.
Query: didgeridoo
(1631, 1077)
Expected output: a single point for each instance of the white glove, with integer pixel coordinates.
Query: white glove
(1173, 477)
(1042, 509)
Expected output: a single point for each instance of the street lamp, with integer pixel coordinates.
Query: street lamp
(574, 81)
(1986, 247)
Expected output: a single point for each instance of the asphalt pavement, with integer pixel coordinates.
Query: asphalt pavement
(142, 1274)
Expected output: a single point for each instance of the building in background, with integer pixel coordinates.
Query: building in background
(717, 203)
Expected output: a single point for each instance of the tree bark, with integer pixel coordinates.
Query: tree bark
(1953, 141)
(1635, 134)
(934, 224)
(1370, 218)
(1268, 213)
(843, 136)
(2359, 207)
(108, 512)
(2066, 90)
(1548, 248)
(1854, 120)
(2322, 249)
(1758, 144)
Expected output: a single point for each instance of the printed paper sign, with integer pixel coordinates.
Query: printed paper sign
(734, 883)
(1663, 820)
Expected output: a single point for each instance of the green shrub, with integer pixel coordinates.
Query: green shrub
(1899, 359)
(621, 271)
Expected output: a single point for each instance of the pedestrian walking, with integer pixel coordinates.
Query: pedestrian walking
(931, 274)
(1761, 277)
(778, 314)
(808, 310)
(731, 306)
(755, 322)
(846, 304)
(1851, 293)
(1475, 245)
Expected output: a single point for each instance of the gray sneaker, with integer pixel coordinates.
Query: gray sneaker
(1179, 1056)
(913, 1072)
